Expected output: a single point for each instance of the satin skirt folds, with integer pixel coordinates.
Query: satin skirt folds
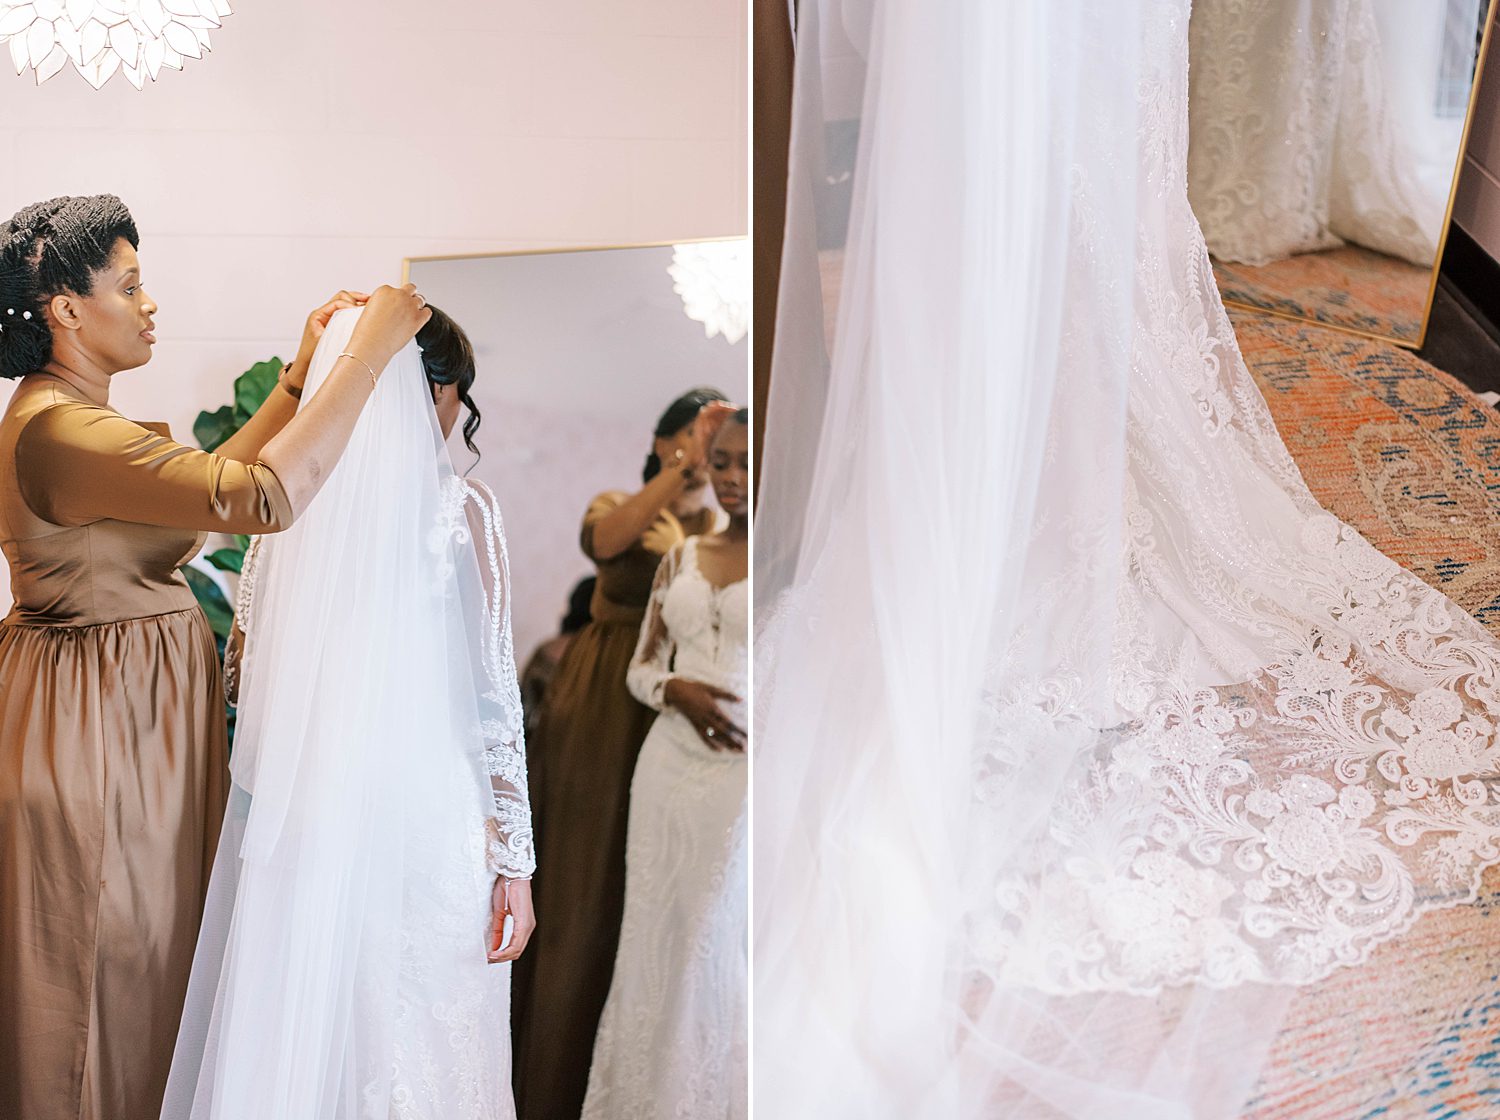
(112, 785)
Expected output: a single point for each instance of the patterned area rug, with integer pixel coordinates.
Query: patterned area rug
(1404, 453)
(1348, 287)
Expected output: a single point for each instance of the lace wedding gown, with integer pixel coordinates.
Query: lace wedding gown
(379, 787)
(673, 1037)
(1296, 143)
(1084, 735)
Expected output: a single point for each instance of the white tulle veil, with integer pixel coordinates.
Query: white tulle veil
(343, 944)
(1083, 734)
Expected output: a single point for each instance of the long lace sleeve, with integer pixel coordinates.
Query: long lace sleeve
(651, 667)
(509, 847)
(236, 647)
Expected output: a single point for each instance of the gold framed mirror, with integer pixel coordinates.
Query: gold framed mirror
(1325, 139)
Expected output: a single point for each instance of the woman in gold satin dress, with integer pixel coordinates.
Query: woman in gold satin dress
(580, 762)
(112, 735)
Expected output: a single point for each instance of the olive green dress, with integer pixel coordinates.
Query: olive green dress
(112, 746)
(579, 765)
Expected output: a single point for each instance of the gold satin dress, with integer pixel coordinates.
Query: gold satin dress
(113, 749)
(579, 765)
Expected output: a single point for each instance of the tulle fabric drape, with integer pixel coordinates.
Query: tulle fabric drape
(1083, 734)
(341, 969)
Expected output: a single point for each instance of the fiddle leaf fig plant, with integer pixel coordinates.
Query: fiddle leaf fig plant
(212, 429)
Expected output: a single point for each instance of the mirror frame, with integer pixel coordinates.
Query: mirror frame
(407, 262)
(1437, 264)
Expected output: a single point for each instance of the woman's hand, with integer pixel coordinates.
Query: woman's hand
(694, 441)
(510, 897)
(711, 418)
(392, 318)
(312, 331)
(699, 702)
(317, 322)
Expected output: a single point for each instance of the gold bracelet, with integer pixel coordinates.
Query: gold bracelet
(361, 361)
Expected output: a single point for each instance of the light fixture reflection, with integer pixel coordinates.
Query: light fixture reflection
(713, 279)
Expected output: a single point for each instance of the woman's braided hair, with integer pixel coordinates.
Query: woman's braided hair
(46, 249)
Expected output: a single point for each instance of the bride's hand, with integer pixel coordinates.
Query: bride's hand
(392, 318)
(513, 897)
(700, 703)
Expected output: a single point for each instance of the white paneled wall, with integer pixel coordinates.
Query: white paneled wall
(320, 143)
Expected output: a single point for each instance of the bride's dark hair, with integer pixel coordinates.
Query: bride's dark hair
(448, 359)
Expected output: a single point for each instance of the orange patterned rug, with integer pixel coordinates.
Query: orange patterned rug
(1348, 287)
(1408, 456)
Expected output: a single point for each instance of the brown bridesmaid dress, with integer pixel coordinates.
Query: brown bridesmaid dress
(112, 747)
(579, 765)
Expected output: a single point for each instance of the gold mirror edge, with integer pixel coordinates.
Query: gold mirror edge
(1458, 167)
(1405, 343)
(1437, 264)
(408, 261)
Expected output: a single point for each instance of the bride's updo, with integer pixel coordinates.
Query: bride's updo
(45, 249)
(448, 359)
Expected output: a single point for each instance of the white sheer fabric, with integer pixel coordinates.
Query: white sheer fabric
(341, 970)
(673, 1037)
(1084, 734)
(1319, 121)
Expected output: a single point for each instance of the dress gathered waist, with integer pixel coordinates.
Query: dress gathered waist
(21, 619)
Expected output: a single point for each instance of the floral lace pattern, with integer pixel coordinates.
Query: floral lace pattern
(1293, 148)
(469, 508)
(1298, 752)
(672, 1041)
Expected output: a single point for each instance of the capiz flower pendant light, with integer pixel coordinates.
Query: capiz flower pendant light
(713, 279)
(136, 38)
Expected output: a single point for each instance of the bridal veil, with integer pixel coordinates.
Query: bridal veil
(379, 783)
(1084, 736)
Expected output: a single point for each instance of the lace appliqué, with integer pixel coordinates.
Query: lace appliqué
(1296, 755)
(508, 832)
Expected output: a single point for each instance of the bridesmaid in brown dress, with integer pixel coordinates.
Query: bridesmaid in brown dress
(581, 760)
(112, 734)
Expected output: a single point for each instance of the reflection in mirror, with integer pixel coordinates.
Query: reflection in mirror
(578, 353)
(1324, 136)
(601, 374)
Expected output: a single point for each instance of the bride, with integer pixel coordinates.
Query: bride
(672, 1040)
(1085, 737)
(371, 881)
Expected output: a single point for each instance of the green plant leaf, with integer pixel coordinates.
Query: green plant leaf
(253, 386)
(213, 428)
(242, 540)
(228, 559)
(212, 600)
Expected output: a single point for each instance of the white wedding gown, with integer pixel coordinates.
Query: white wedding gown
(1084, 736)
(672, 1041)
(378, 788)
(1316, 122)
